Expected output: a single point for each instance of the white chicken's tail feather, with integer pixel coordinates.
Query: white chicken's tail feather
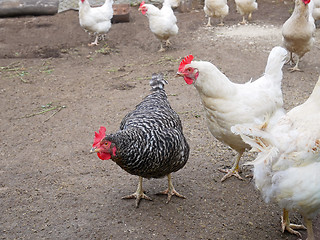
(259, 140)
(276, 60)
(253, 136)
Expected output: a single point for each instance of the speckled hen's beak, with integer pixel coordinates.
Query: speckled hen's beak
(94, 150)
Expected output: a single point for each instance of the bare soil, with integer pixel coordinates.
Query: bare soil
(56, 91)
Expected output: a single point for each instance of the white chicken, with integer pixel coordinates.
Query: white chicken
(298, 31)
(287, 167)
(173, 3)
(162, 22)
(217, 9)
(316, 10)
(95, 19)
(246, 7)
(227, 104)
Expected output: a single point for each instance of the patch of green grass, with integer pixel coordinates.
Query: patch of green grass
(104, 50)
(15, 69)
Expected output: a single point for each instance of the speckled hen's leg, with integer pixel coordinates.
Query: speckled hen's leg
(139, 194)
(286, 225)
(170, 191)
(234, 171)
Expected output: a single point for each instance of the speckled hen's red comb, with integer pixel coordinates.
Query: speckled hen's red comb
(99, 136)
(185, 61)
(141, 4)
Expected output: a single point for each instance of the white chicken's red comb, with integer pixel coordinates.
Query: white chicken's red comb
(141, 4)
(185, 61)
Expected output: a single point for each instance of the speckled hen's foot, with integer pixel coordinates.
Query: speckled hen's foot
(139, 194)
(170, 191)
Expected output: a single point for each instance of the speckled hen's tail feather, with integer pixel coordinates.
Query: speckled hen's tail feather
(157, 82)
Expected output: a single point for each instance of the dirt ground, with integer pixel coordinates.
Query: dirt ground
(56, 91)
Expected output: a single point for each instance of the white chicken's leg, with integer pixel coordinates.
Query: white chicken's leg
(243, 20)
(234, 171)
(250, 16)
(170, 190)
(95, 41)
(290, 60)
(161, 48)
(209, 22)
(308, 222)
(286, 225)
(296, 68)
(139, 194)
(221, 22)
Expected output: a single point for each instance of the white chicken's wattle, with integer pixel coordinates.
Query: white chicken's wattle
(95, 19)
(227, 104)
(287, 168)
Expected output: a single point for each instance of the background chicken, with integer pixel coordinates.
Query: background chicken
(246, 7)
(96, 20)
(173, 3)
(227, 104)
(316, 10)
(298, 31)
(216, 9)
(162, 22)
(150, 142)
(287, 167)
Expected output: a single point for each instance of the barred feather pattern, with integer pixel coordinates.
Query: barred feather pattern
(150, 142)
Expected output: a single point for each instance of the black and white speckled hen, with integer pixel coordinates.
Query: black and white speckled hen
(150, 142)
